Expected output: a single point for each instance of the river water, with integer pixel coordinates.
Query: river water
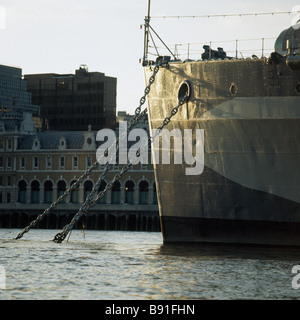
(115, 265)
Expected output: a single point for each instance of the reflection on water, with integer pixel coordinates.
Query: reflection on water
(136, 265)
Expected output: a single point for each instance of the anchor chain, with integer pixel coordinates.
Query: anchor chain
(86, 205)
(90, 202)
(133, 121)
(58, 200)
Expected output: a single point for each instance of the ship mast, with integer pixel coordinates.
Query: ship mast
(146, 36)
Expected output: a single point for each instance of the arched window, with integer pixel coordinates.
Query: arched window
(35, 192)
(154, 194)
(144, 192)
(116, 193)
(74, 194)
(88, 186)
(48, 192)
(129, 192)
(101, 188)
(22, 195)
(61, 188)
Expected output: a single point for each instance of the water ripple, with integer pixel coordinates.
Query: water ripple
(136, 265)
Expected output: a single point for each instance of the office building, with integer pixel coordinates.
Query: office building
(14, 96)
(71, 102)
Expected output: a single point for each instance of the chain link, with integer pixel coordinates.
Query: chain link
(133, 122)
(90, 201)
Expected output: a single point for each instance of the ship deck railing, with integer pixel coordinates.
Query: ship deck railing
(236, 49)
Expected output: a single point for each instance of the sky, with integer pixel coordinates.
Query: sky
(57, 36)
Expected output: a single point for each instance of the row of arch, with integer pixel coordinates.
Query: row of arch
(132, 191)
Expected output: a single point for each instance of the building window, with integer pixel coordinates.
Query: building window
(88, 162)
(8, 197)
(9, 180)
(0, 197)
(1, 162)
(74, 198)
(35, 163)
(1, 181)
(61, 188)
(75, 163)
(144, 192)
(116, 193)
(1, 144)
(101, 188)
(48, 163)
(8, 162)
(9, 144)
(22, 163)
(35, 192)
(88, 187)
(61, 162)
(129, 192)
(48, 192)
(22, 196)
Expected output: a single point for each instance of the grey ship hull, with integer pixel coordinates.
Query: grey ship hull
(249, 191)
